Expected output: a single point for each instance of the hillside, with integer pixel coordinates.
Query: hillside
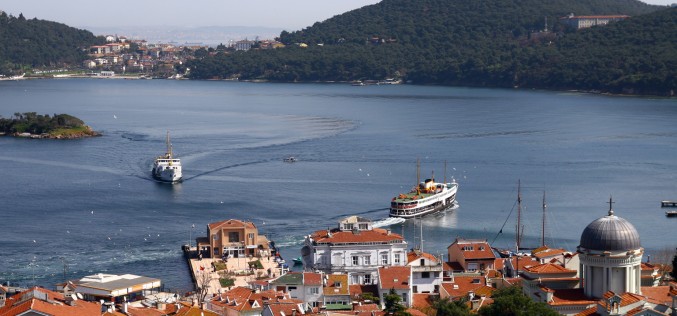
(454, 42)
(35, 43)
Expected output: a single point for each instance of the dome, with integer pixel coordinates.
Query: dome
(610, 233)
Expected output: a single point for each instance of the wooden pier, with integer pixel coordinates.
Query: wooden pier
(668, 203)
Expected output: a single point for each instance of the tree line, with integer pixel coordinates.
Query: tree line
(31, 122)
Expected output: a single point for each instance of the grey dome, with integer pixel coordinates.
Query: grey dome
(610, 233)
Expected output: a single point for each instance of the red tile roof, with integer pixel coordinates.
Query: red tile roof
(658, 294)
(394, 277)
(480, 249)
(231, 223)
(462, 285)
(244, 299)
(592, 311)
(54, 304)
(415, 312)
(194, 311)
(548, 253)
(423, 300)
(366, 307)
(547, 268)
(337, 284)
(342, 237)
(571, 297)
(415, 255)
(312, 278)
(626, 298)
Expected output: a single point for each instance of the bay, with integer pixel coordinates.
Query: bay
(90, 205)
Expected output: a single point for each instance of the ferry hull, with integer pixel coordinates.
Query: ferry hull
(433, 204)
(171, 176)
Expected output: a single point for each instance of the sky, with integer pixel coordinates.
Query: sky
(284, 14)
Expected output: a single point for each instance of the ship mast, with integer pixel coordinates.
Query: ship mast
(445, 172)
(418, 174)
(518, 235)
(543, 223)
(169, 147)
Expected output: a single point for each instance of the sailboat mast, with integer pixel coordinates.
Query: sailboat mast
(518, 234)
(543, 222)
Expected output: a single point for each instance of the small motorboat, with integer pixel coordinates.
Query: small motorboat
(298, 261)
(290, 159)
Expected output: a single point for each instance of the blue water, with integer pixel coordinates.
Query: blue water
(91, 204)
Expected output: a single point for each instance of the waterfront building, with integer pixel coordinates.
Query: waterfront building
(115, 288)
(426, 272)
(355, 248)
(397, 279)
(39, 301)
(234, 239)
(472, 255)
(306, 286)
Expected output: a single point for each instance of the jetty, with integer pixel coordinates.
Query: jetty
(668, 203)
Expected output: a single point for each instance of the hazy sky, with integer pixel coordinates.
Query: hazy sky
(284, 14)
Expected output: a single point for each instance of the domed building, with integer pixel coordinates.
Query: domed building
(610, 256)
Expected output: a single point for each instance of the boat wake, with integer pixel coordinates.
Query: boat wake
(388, 221)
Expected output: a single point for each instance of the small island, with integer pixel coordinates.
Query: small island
(33, 125)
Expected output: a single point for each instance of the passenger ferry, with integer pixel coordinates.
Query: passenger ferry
(425, 198)
(166, 168)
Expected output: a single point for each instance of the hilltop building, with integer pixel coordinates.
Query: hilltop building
(584, 21)
(39, 301)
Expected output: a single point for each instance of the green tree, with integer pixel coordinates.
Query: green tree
(447, 307)
(511, 301)
(393, 305)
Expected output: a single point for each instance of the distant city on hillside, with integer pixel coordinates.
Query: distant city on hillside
(207, 35)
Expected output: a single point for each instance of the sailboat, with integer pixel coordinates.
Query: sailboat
(166, 168)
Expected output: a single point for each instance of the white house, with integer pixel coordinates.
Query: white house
(355, 248)
(426, 272)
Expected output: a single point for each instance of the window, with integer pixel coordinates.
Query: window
(404, 297)
(291, 288)
(472, 266)
(364, 226)
(348, 226)
(425, 275)
(251, 236)
(216, 251)
(356, 260)
(367, 279)
(384, 258)
(367, 260)
(355, 279)
(397, 259)
(233, 237)
(422, 262)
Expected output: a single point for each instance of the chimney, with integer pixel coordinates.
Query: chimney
(388, 232)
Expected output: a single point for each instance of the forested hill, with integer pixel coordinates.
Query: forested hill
(35, 43)
(492, 43)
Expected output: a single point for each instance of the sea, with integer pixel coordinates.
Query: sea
(72, 208)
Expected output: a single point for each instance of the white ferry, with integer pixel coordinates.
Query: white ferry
(425, 198)
(167, 168)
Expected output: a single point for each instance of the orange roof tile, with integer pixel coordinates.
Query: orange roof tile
(416, 312)
(394, 277)
(647, 266)
(547, 268)
(548, 253)
(312, 278)
(480, 249)
(55, 304)
(592, 311)
(462, 285)
(337, 284)
(415, 255)
(452, 266)
(244, 299)
(423, 300)
(626, 298)
(231, 223)
(343, 237)
(570, 297)
(366, 307)
(194, 311)
(658, 294)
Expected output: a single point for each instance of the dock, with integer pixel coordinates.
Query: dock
(209, 271)
(668, 203)
(671, 213)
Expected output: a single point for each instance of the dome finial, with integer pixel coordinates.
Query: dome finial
(611, 202)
